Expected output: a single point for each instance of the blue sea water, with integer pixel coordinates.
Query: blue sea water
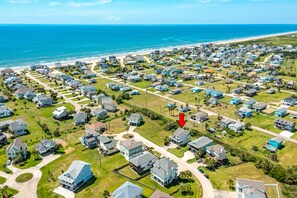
(22, 45)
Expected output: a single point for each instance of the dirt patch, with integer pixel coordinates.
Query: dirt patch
(69, 150)
(62, 142)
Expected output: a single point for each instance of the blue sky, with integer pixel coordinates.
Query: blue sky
(148, 11)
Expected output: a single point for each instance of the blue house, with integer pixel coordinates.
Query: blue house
(214, 93)
(245, 112)
(183, 109)
(235, 101)
(175, 91)
(135, 92)
(195, 90)
(250, 103)
(199, 83)
(161, 88)
(290, 101)
(274, 143)
(281, 112)
(77, 174)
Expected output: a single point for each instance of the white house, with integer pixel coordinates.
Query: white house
(217, 151)
(130, 149)
(60, 113)
(164, 171)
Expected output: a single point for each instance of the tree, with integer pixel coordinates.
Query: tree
(273, 157)
(166, 140)
(199, 153)
(247, 126)
(25, 103)
(230, 183)
(106, 194)
(210, 163)
(185, 189)
(278, 173)
(206, 126)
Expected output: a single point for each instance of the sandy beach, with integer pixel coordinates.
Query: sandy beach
(147, 51)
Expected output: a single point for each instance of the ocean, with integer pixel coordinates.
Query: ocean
(23, 45)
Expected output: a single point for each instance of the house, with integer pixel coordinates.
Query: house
(135, 119)
(236, 127)
(45, 146)
(250, 188)
(164, 171)
(5, 112)
(249, 103)
(235, 101)
(18, 127)
(273, 144)
(130, 149)
(245, 112)
(200, 143)
(143, 162)
(159, 194)
(128, 190)
(96, 127)
(224, 123)
(107, 145)
(238, 90)
(290, 101)
(217, 151)
(3, 99)
(98, 98)
(270, 91)
(80, 118)
(213, 101)
(108, 104)
(125, 88)
(281, 112)
(84, 90)
(76, 175)
(180, 137)
(200, 116)
(284, 124)
(175, 91)
(44, 101)
(99, 113)
(195, 90)
(260, 106)
(293, 115)
(134, 92)
(214, 93)
(251, 92)
(60, 113)
(20, 93)
(90, 140)
(15, 148)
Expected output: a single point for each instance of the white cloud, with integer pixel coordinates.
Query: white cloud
(90, 3)
(54, 3)
(113, 18)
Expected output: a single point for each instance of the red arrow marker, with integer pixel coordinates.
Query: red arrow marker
(181, 122)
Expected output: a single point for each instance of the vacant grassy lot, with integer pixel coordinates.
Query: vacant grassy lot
(179, 152)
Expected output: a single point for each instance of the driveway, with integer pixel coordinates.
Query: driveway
(27, 189)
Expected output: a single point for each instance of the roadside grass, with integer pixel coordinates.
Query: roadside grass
(179, 151)
(24, 177)
(2, 180)
(219, 178)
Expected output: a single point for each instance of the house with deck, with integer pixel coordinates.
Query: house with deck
(5, 112)
(164, 171)
(249, 103)
(131, 148)
(15, 148)
(107, 145)
(80, 118)
(246, 188)
(273, 144)
(180, 137)
(200, 143)
(143, 162)
(18, 127)
(76, 175)
(60, 113)
(134, 119)
(245, 112)
(216, 151)
(235, 101)
(260, 106)
(281, 112)
(236, 127)
(199, 117)
(290, 101)
(45, 146)
(284, 124)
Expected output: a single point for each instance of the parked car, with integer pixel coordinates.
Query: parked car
(200, 170)
(206, 175)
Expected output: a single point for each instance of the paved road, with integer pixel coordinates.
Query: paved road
(27, 189)
(46, 86)
(208, 191)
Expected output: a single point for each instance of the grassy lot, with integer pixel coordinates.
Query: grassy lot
(178, 152)
(153, 131)
(268, 98)
(2, 180)
(104, 179)
(143, 84)
(116, 126)
(24, 177)
(220, 176)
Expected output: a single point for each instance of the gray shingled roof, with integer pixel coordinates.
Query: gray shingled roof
(143, 158)
(251, 188)
(162, 167)
(73, 171)
(127, 190)
(200, 142)
(130, 144)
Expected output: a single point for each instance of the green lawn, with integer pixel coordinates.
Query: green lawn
(153, 131)
(2, 180)
(24, 177)
(178, 152)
